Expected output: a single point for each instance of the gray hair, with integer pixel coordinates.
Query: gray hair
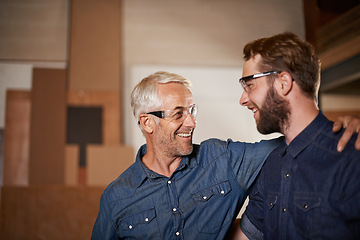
(144, 97)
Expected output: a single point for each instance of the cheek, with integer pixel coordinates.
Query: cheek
(255, 98)
(258, 96)
(170, 129)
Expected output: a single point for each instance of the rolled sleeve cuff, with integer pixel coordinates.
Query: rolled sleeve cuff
(251, 232)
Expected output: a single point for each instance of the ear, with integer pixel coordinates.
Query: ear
(146, 123)
(284, 83)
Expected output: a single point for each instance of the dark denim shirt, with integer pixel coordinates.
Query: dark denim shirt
(307, 190)
(199, 201)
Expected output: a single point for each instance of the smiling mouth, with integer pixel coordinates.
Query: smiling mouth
(185, 135)
(254, 110)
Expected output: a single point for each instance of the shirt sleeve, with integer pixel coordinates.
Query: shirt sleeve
(249, 229)
(254, 210)
(248, 158)
(103, 228)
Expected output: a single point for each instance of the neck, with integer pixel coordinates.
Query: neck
(159, 162)
(302, 113)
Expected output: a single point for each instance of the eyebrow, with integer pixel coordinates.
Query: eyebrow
(178, 107)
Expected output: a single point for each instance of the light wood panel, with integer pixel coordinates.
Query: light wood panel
(72, 165)
(16, 138)
(106, 163)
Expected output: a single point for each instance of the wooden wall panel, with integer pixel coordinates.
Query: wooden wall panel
(47, 128)
(72, 165)
(34, 30)
(333, 114)
(48, 212)
(106, 163)
(16, 138)
(95, 45)
(110, 101)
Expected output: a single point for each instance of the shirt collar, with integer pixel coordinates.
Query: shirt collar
(142, 172)
(301, 141)
(139, 175)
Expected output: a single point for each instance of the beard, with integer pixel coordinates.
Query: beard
(176, 149)
(274, 114)
(171, 146)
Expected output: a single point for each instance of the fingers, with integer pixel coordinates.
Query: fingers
(337, 126)
(357, 143)
(352, 125)
(341, 122)
(344, 139)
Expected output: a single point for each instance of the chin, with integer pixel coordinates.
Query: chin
(188, 150)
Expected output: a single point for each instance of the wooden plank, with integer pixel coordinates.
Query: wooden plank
(71, 165)
(339, 31)
(106, 163)
(47, 128)
(339, 39)
(110, 101)
(333, 114)
(48, 212)
(16, 138)
(340, 53)
(95, 42)
(34, 30)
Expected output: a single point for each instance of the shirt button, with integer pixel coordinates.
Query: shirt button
(169, 182)
(130, 227)
(287, 175)
(146, 219)
(174, 209)
(222, 192)
(204, 197)
(177, 233)
(305, 206)
(283, 210)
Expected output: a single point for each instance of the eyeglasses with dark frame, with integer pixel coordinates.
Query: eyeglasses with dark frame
(178, 114)
(243, 80)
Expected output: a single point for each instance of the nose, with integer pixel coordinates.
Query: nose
(190, 121)
(244, 99)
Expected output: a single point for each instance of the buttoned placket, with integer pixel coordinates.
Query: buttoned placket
(285, 192)
(176, 212)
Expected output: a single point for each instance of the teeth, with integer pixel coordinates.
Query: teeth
(184, 134)
(254, 110)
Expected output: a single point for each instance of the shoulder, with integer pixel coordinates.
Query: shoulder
(215, 147)
(329, 140)
(125, 185)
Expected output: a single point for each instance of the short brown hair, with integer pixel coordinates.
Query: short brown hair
(287, 52)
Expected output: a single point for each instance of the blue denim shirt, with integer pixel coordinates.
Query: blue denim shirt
(307, 190)
(199, 201)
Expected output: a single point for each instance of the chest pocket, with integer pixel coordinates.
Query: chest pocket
(211, 205)
(220, 189)
(141, 225)
(307, 212)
